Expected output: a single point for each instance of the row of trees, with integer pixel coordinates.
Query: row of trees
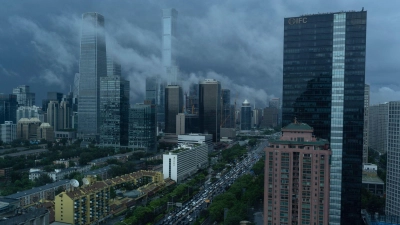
(243, 196)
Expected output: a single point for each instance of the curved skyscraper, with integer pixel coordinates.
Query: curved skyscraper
(92, 66)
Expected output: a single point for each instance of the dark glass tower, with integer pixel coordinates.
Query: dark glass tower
(192, 100)
(173, 106)
(210, 108)
(226, 109)
(323, 86)
(245, 116)
(92, 66)
(143, 127)
(8, 108)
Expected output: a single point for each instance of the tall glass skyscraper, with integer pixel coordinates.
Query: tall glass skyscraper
(245, 116)
(173, 106)
(226, 109)
(169, 45)
(323, 86)
(143, 127)
(8, 108)
(92, 66)
(210, 108)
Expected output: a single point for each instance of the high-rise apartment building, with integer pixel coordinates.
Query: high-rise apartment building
(92, 66)
(210, 108)
(24, 96)
(366, 124)
(143, 127)
(323, 86)
(169, 45)
(8, 108)
(393, 161)
(173, 106)
(114, 110)
(378, 127)
(245, 116)
(296, 183)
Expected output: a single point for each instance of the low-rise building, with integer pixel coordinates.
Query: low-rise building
(57, 174)
(371, 181)
(25, 153)
(46, 132)
(197, 139)
(45, 192)
(38, 216)
(185, 161)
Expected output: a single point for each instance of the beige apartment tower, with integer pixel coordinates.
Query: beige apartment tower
(296, 184)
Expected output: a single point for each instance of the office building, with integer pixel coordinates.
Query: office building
(51, 96)
(256, 117)
(27, 128)
(192, 100)
(193, 138)
(185, 161)
(53, 115)
(296, 183)
(85, 205)
(152, 90)
(143, 127)
(245, 116)
(28, 112)
(275, 103)
(169, 45)
(393, 161)
(75, 90)
(366, 124)
(371, 181)
(173, 106)
(210, 107)
(114, 110)
(113, 67)
(227, 121)
(8, 108)
(270, 117)
(378, 127)
(65, 114)
(323, 86)
(92, 66)
(24, 96)
(8, 132)
(45, 131)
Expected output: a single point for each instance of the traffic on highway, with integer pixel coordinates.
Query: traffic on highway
(190, 210)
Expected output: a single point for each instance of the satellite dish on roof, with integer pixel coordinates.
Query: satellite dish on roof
(85, 181)
(74, 183)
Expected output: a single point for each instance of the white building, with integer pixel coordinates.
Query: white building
(8, 132)
(197, 139)
(28, 112)
(185, 161)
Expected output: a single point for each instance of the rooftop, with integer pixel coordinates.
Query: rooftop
(371, 178)
(38, 189)
(288, 142)
(297, 126)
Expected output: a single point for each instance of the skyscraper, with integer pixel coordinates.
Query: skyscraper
(8, 108)
(378, 124)
(192, 100)
(226, 109)
(169, 45)
(366, 124)
(245, 116)
(92, 66)
(24, 96)
(143, 127)
(210, 107)
(114, 107)
(393, 161)
(173, 106)
(296, 183)
(323, 86)
(152, 89)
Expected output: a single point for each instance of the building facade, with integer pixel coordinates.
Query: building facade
(173, 106)
(378, 124)
(184, 161)
(169, 45)
(8, 108)
(296, 184)
(8, 132)
(194, 138)
(393, 161)
(24, 96)
(210, 108)
(226, 109)
(245, 116)
(45, 131)
(114, 110)
(323, 86)
(192, 100)
(92, 66)
(27, 128)
(366, 124)
(28, 112)
(143, 127)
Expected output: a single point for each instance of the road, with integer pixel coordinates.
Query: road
(190, 210)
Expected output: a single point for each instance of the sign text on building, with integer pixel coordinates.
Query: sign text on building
(297, 20)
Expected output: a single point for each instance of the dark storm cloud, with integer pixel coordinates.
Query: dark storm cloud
(237, 42)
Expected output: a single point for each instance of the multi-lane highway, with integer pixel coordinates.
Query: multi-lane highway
(190, 210)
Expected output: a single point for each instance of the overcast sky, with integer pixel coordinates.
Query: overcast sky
(238, 42)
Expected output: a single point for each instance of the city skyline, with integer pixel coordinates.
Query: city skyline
(138, 39)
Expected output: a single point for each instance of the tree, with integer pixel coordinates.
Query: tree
(43, 180)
